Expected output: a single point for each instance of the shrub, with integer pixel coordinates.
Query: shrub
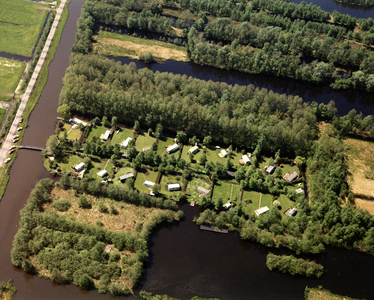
(102, 207)
(62, 204)
(114, 256)
(83, 202)
(85, 282)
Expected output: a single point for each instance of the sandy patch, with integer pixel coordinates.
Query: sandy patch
(157, 51)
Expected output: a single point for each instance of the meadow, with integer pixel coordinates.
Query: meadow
(10, 75)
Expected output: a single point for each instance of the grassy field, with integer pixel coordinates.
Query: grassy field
(168, 179)
(97, 132)
(73, 134)
(361, 169)
(120, 172)
(67, 162)
(98, 166)
(144, 140)
(10, 75)
(121, 136)
(227, 191)
(164, 143)
(142, 176)
(2, 114)
(322, 294)
(21, 25)
(192, 186)
(115, 44)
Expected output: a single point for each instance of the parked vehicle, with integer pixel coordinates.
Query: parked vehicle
(12, 147)
(7, 160)
(15, 140)
(19, 128)
(15, 136)
(11, 151)
(21, 120)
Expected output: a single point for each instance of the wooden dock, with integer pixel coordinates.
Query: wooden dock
(213, 228)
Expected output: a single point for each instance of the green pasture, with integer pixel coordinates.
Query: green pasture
(192, 186)
(142, 176)
(22, 22)
(10, 74)
(122, 135)
(143, 141)
(227, 191)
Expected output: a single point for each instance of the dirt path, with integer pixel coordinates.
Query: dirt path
(8, 141)
(259, 203)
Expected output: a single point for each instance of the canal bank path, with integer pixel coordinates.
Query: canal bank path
(16, 122)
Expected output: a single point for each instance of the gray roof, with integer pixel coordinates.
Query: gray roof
(270, 169)
(126, 176)
(202, 190)
(292, 176)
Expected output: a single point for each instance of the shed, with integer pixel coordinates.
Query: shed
(227, 205)
(193, 149)
(124, 155)
(146, 148)
(125, 143)
(106, 135)
(261, 210)
(202, 190)
(174, 187)
(148, 183)
(107, 249)
(172, 148)
(231, 174)
(79, 167)
(291, 177)
(102, 173)
(292, 212)
(246, 159)
(299, 191)
(270, 169)
(222, 154)
(126, 176)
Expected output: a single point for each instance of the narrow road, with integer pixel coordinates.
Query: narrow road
(13, 129)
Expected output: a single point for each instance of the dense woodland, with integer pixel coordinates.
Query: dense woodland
(73, 252)
(359, 2)
(268, 37)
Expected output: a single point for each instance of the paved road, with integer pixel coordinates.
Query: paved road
(13, 129)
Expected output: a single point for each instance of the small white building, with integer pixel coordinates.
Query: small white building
(193, 149)
(261, 210)
(79, 167)
(105, 136)
(246, 159)
(172, 148)
(222, 154)
(148, 183)
(77, 121)
(126, 176)
(299, 191)
(102, 173)
(174, 187)
(227, 205)
(125, 143)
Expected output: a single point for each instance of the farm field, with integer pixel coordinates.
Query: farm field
(115, 44)
(10, 75)
(20, 26)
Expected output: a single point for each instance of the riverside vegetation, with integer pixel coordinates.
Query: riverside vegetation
(294, 266)
(274, 37)
(57, 239)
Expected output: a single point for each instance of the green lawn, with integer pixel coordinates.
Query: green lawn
(120, 172)
(168, 179)
(142, 176)
(227, 191)
(192, 186)
(98, 166)
(97, 131)
(73, 134)
(67, 162)
(20, 39)
(10, 75)
(121, 136)
(164, 143)
(2, 114)
(144, 140)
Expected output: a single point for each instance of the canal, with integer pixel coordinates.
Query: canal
(183, 260)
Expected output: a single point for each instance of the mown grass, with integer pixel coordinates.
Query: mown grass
(120, 172)
(164, 143)
(169, 179)
(121, 136)
(142, 176)
(10, 74)
(227, 191)
(266, 200)
(39, 86)
(96, 132)
(67, 162)
(73, 134)
(25, 22)
(143, 141)
(115, 44)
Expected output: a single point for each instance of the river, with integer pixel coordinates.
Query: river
(183, 260)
